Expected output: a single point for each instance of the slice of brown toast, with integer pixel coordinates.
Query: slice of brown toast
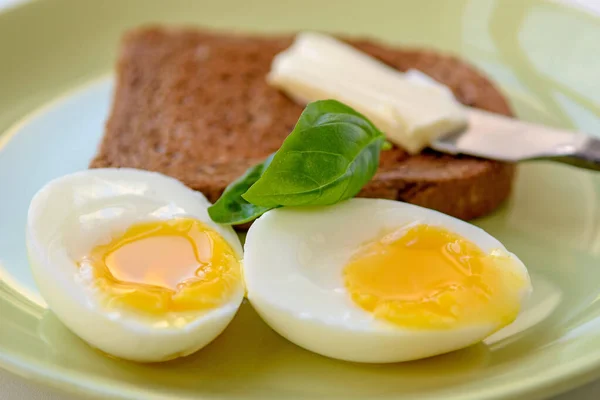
(195, 105)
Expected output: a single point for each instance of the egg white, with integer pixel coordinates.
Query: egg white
(74, 213)
(294, 258)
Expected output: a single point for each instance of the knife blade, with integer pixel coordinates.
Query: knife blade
(501, 138)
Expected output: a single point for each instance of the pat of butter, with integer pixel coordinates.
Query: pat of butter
(411, 108)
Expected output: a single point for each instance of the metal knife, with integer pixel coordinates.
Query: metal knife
(502, 138)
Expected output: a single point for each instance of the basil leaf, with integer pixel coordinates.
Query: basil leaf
(231, 208)
(330, 155)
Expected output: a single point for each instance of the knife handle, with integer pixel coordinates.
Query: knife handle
(586, 156)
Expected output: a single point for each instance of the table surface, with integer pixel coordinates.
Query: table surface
(16, 388)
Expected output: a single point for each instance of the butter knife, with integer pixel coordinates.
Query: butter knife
(502, 138)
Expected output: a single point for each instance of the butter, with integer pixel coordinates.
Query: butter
(411, 108)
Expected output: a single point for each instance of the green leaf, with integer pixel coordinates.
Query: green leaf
(330, 155)
(231, 208)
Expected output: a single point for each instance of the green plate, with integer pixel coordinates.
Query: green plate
(53, 101)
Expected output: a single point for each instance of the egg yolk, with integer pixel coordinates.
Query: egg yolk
(426, 277)
(166, 266)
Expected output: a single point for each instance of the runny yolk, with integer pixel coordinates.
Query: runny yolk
(426, 277)
(164, 266)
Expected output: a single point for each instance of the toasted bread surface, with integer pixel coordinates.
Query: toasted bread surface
(195, 105)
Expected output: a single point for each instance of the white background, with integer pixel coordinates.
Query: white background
(16, 388)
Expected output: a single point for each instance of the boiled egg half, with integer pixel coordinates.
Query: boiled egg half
(380, 281)
(130, 261)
